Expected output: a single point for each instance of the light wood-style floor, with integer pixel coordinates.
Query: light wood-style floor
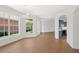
(44, 43)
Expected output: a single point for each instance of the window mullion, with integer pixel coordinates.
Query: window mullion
(9, 26)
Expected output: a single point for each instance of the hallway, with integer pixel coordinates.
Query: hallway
(44, 43)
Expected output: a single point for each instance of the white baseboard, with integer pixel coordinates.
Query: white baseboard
(13, 38)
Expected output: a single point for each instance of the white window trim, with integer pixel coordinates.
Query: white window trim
(8, 16)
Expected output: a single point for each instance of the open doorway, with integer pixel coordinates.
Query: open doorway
(63, 26)
(29, 26)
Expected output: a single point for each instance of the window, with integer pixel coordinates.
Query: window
(13, 26)
(3, 27)
(6, 24)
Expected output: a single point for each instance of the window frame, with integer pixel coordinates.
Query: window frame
(7, 17)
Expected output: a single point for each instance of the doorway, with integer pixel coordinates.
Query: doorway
(63, 26)
(29, 26)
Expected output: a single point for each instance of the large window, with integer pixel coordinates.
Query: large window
(13, 26)
(3, 27)
(6, 24)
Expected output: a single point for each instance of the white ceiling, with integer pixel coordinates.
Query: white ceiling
(43, 11)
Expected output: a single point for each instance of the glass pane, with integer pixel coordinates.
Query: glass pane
(13, 26)
(6, 27)
(13, 22)
(6, 22)
(11, 30)
(3, 27)
(6, 30)
(16, 29)
(1, 31)
(2, 21)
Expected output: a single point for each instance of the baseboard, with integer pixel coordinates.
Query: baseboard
(16, 39)
(75, 49)
(9, 43)
(47, 32)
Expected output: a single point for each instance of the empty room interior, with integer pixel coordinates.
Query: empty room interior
(39, 28)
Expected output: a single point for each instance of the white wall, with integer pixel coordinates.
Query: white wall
(69, 13)
(38, 26)
(34, 26)
(22, 26)
(76, 29)
(47, 25)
